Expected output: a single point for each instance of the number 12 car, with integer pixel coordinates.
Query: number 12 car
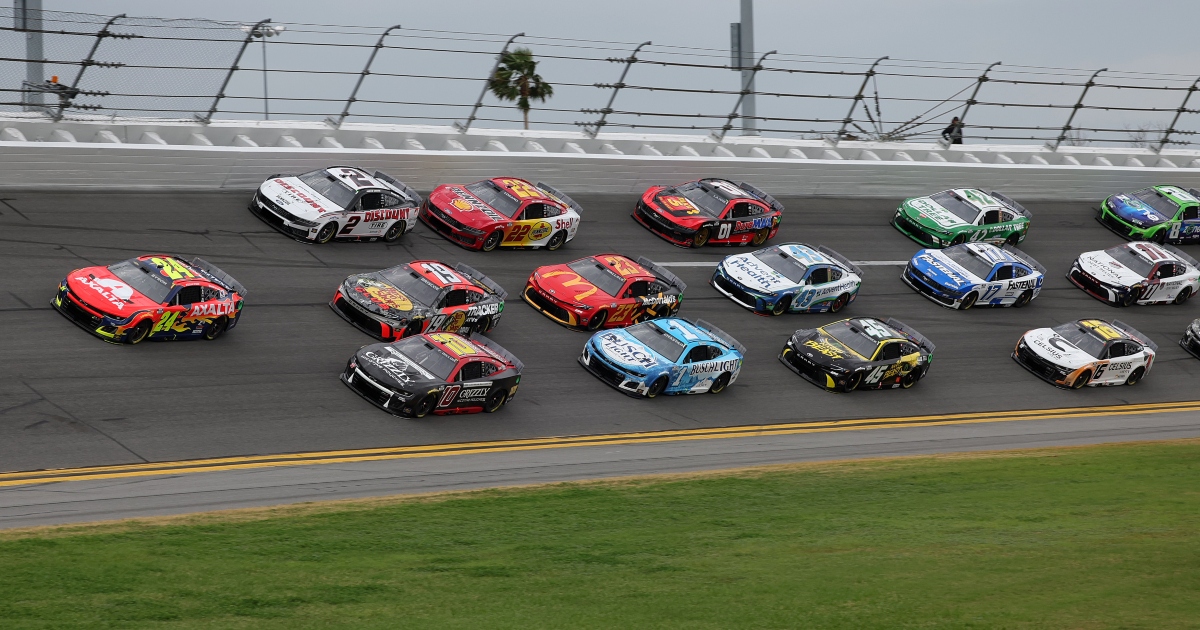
(709, 211)
(502, 212)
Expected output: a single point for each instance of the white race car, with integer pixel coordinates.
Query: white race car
(789, 278)
(1086, 352)
(1137, 273)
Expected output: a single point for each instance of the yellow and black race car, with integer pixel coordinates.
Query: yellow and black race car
(859, 353)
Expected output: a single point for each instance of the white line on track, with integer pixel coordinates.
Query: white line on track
(860, 263)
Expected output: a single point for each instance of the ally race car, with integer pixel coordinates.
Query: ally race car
(1191, 339)
(709, 211)
(962, 276)
(605, 290)
(1086, 352)
(1164, 214)
(1137, 273)
(502, 212)
(961, 215)
(789, 278)
(859, 353)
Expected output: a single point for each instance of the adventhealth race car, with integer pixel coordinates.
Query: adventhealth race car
(605, 290)
(859, 353)
(1191, 339)
(960, 215)
(1159, 213)
(341, 202)
(502, 212)
(151, 297)
(965, 275)
(420, 296)
(709, 211)
(664, 356)
(789, 278)
(442, 373)
(1086, 352)
(1137, 273)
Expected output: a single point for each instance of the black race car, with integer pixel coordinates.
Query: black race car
(859, 353)
(1191, 338)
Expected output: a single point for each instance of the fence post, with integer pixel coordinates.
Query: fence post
(1078, 104)
(962, 120)
(598, 125)
(337, 124)
(73, 90)
(720, 137)
(1179, 112)
(224, 84)
(27, 18)
(461, 127)
(857, 97)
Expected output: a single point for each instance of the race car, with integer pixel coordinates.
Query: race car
(709, 211)
(1137, 273)
(604, 291)
(859, 353)
(962, 276)
(339, 202)
(1191, 339)
(1086, 352)
(420, 296)
(151, 297)
(664, 356)
(789, 278)
(440, 373)
(502, 212)
(961, 215)
(1164, 214)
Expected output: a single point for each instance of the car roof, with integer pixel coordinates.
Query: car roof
(354, 177)
(1105, 331)
(1151, 252)
(623, 266)
(806, 254)
(862, 322)
(175, 270)
(507, 183)
(1178, 195)
(684, 331)
(991, 253)
(978, 198)
(729, 190)
(439, 273)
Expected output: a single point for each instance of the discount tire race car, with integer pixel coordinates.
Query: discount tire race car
(420, 296)
(709, 211)
(789, 278)
(440, 373)
(339, 202)
(151, 297)
(859, 353)
(962, 215)
(604, 291)
(1137, 273)
(962, 276)
(1086, 352)
(1164, 214)
(1191, 339)
(502, 212)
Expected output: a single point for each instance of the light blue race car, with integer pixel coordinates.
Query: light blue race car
(789, 278)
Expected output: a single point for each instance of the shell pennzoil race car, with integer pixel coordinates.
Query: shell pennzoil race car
(859, 353)
(502, 212)
(789, 278)
(151, 297)
(1164, 214)
(604, 291)
(339, 202)
(972, 274)
(1086, 352)
(962, 215)
(420, 296)
(664, 356)
(709, 211)
(442, 373)
(1137, 273)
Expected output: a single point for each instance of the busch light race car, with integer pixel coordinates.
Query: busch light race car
(342, 202)
(151, 297)
(420, 296)
(664, 356)
(859, 353)
(1191, 339)
(502, 212)
(1164, 214)
(604, 291)
(709, 211)
(1086, 352)
(1137, 273)
(442, 373)
(789, 278)
(964, 275)
(961, 215)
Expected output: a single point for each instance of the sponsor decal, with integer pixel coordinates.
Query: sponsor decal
(395, 365)
(713, 366)
(808, 296)
(932, 261)
(1021, 285)
(766, 277)
(1055, 346)
(626, 351)
(455, 344)
(211, 309)
(587, 288)
(660, 300)
(115, 291)
(478, 310)
(826, 347)
(678, 204)
(927, 208)
(384, 214)
(385, 296)
(299, 195)
(755, 224)
(461, 204)
(475, 204)
(622, 265)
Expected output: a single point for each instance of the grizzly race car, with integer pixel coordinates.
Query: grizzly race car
(859, 353)
(342, 202)
(709, 211)
(502, 212)
(1086, 352)
(1137, 273)
(605, 290)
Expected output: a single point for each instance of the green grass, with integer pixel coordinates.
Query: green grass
(1097, 537)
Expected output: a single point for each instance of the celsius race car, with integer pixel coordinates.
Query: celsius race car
(1086, 352)
(961, 215)
(859, 353)
(605, 290)
(1137, 273)
(709, 211)
(962, 276)
(502, 212)
(664, 356)
(151, 297)
(420, 296)
(1159, 213)
(340, 202)
(1191, 339)
(789, 278)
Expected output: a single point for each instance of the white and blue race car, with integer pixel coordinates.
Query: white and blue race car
(964, 275)
(789, 278)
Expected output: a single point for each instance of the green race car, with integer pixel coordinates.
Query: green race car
(1159, 213)
(960, 215)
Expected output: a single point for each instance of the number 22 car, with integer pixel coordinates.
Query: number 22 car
(339, 202)
(859, 353)
(605, 290)
(709, 211)
(1086, 352)
(502, 212)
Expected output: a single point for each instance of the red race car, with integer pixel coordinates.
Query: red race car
(502, 212)
(605, 290)
(709, 211)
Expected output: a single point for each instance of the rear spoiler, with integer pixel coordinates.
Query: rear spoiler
(721, 335)
(214, 273)
(399, 187)
(1133, 332)
(1006, 200)
(662, 274)
(1193, 192)
(911, 333)
(768, 199)
(484, 280)
(557, 194)
(498, 350)
(1026, 258)
(842, 260)
(1178, 253)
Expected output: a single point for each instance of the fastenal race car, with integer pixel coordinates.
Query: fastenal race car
(664, 356)
(1191, 339)
(789, 278)
(420, 296)
(961, 215)
(1137, 273)
(1086, 352)
(859, 353)
(502, 212)
(1164, 214)
(962, 276)
(604, 291)
(341, 202)
(151, 297)
(709, 211)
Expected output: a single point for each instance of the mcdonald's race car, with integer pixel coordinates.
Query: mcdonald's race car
(960, 215)
(1086, 352)
(440, 373)
(420, 296)
(1191, 338)
(1137, 273)
(604, 291)
(502, 212)
(151, 297)
(1164, 214)
(962, 276)
(859, 353)
(709, 211)
(339, 202)
(789, 278)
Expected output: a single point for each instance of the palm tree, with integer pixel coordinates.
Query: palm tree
(516, 79)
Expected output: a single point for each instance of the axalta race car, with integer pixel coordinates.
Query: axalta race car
(604, 291)
(789, 278)
(502, 212)
(664, 356)
(1086, 352)
(341, 202)
(709, 211)
(420, 296)
(1137, 273)
(859, 353)
(442, 373)
(151, 297)
(965, 275)
(961, 215)
(1164, 214)
(1191, 339)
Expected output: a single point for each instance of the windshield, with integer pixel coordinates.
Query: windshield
(144, 278)
(958, 207)
(776, 259)
(498, 199)
(329, 187)
(853, 337)
(657, 340)
(708, 201)
(962, 255)
(414, 286)
(1156, 200)
(591, 270)
(1081, 338)
(425, 354)
(1125, 256)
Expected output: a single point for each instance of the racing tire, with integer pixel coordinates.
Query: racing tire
(413, 328)
(492, 241)
(760, 237)
(426, 405)
(908, 380)
(1136, 376)
(393, 234)
(657, 387)
(218, 327)
(840, 303)
(1012, 239)
(558, 240)
(853, 382)
(1183, 295)
(700, 238)
(495, 401)
(139, 332)
(1159, 237)
(969, 301)
(597, 321)
(482, 325)
(782, 305)
(1023, 299)
(328, 231)
(958, 240)
(1130, 298)
(1082, 380)
(720, 384)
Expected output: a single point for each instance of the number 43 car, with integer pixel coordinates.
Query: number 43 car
(709, 211)
(1086, 352)
(502, 212)
(789, 278)
(1160, 213)
(1137, 273)
(960, 215)
(859, 353)
(604, 291)
(964, 275)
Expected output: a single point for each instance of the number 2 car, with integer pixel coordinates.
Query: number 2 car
(859, 353)
(1086, 352)
(709, 211)
(789, 278)
(605, 290)
(1137, 273)
(502, 212)
(962, 276)
(961, 215)
(1164, 214)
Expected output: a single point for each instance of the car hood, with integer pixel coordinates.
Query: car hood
(372, 292)
(938, 267)
(824, 350)
(1054, 348)
(751, 272)
(626, 351)
(466, 208)
(294, 196)
(1135, 211)
(566, 285)
(680, 209)
(928, 213)
(389, 366)
(1104, 268)
(99, 288)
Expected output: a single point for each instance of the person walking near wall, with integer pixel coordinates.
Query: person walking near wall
(954, 133)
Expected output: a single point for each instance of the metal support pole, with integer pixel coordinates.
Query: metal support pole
(337, 124)
(1179, 112)
(1078, 104)
(632, 59)
(89, 61)
(27, 17)
(224, 84)
(461, 127)
(266, 97)
(720, 137)
(857, 97)
(962, 120)
(746, 40)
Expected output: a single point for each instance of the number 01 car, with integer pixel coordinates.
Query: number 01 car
(709, 211)
(859, 353)
(1086, 352)
(339, 202)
